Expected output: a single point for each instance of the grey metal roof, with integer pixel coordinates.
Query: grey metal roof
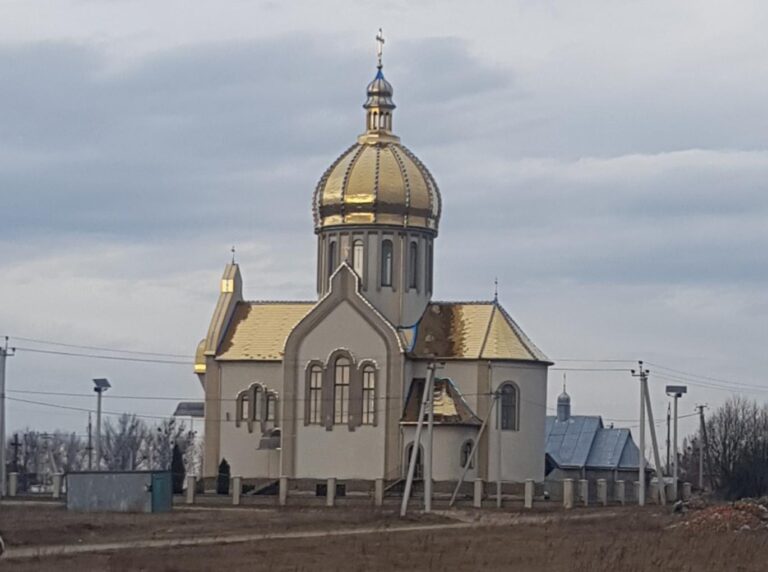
(190, 409)
(582, 442)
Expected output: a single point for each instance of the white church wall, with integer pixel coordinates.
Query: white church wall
(238, 446)
(522, 451)
(342, 453)
(446, 450)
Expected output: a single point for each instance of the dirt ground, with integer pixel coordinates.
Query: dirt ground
(583, 540)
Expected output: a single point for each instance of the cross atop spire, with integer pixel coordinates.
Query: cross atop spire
(496, 289)
(233, 254)
(379, 47)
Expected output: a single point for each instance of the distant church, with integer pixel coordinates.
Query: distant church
(331, 387)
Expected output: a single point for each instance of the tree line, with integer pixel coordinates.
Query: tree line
(128, 443)
(735, 450)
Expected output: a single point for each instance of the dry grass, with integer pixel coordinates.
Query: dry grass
(633, 540)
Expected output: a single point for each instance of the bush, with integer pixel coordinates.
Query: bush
(178, 472)
(222, 481)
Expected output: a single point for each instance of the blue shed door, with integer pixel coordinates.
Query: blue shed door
(161, 492)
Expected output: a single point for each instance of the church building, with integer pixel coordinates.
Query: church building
(330, 387)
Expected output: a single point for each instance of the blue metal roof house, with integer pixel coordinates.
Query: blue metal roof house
(579, 446)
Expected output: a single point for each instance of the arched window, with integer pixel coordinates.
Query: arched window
(508, 404)
(357, 257)
(386, 262)
(331, 257)
(430, 255)
(271, 406)
(466, 454)
(243, 407)
(369, 395)
(341, 391)
(413, 265)
(258, 396)
(315, 395)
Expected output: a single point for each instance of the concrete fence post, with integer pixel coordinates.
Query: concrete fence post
(237, 488)
(568, 493)
(584, 491)
(13, 484)
(477, 497)
(378, 493)
(654, 492)
(636, 491)
(283, 496)
(671, 493)
(602, 492)
(621, 492)
(57, 485)
(686, 491)
(529, 493)
(191, 482)
(330, 492)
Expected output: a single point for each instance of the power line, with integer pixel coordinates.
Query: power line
(100, 348)
(95, 356)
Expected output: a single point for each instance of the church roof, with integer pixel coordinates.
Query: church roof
(581, 441)
(447, 330)
(449, 405)
(258, 330)
(472, 330)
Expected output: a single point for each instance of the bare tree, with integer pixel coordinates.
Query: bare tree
(159, 444)
(123, 442)
(737, 435)
(66, 451)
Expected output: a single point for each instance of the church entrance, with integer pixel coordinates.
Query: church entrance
(418, 474)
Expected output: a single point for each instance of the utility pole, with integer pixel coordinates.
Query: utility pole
(5, 352)
(428, 390)
(641, 470)
(100, 386)
(428, 448)
(89, 449)
(16, 446)
(676, 391)
(669, 415)
(654, 443)
(702, 430)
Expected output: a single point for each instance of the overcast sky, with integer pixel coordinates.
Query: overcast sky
(607, 160)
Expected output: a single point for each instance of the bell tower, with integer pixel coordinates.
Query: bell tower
(377, 207)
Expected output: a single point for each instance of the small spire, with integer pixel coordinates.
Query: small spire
(233, 254)
(496, 290)
(564, 382)
(379, 48)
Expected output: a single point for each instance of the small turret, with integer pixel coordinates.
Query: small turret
(563, 406)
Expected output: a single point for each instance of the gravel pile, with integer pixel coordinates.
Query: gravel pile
(744, 514)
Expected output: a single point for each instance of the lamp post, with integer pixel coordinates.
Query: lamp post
(676, 391)
(101, 384)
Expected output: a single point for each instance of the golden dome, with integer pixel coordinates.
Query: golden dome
(377, 180)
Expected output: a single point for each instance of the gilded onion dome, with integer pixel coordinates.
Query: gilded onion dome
(377, 180)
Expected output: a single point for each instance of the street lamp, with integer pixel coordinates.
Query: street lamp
(101, 384)
(675, 391)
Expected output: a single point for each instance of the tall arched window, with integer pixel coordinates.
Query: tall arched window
(386, 262)
(466, 454)
(244, 410)
(331, 257)
(271, 407)
(430, 255)
(357, 257)
(369, 395)
(509, 404)
(413, 265)
(341, 391)
(315, 395)
(258, 397)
